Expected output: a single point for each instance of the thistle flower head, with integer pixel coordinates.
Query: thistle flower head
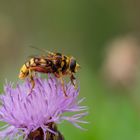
(26, 113)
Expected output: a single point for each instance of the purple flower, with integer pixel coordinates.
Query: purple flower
(25, 113)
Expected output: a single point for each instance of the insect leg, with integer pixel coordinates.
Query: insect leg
(72, 78)
(63, 86)
(59, 75)
(31, 80)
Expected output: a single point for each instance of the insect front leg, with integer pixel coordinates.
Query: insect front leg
(72, 78)
(63, 86)
(31, 80)
(60, 76)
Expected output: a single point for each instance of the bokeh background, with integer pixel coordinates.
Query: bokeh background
(104, 37)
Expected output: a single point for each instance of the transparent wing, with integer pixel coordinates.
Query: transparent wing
(37, 56)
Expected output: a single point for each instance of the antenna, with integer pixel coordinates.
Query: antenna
(40, 49)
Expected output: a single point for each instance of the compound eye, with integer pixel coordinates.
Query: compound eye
(72, 65)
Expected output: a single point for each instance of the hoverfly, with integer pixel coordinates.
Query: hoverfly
(54, 63)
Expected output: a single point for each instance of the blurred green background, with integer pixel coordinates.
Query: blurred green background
(86, 29)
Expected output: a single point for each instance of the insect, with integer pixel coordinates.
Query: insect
(54, 63)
